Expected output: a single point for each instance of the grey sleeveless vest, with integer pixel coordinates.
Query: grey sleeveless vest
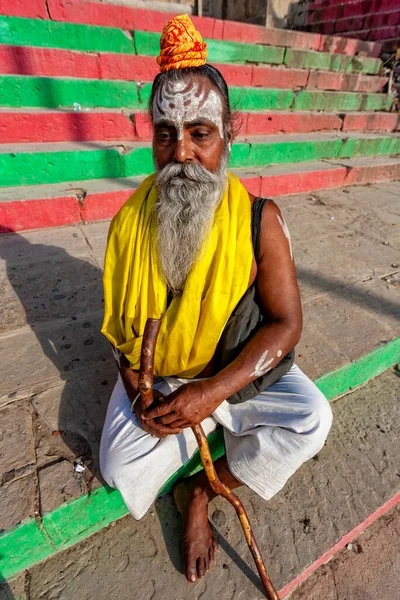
(245, 320)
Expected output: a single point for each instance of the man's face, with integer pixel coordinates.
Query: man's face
(188, 124)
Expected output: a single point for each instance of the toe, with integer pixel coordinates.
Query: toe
(211, 557)
(201, 571)
(191, 570)
(207, 563)
(215, 545)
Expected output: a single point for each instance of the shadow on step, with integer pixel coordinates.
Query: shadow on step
(71, 373)
(351, 292)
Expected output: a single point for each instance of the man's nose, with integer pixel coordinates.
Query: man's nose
(183, 150)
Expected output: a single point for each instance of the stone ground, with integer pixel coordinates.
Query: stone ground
(56, 375)
(356, 472)
(369, 568)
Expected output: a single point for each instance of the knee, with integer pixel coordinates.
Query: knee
(127, 480)
(320, 421)
(107, 465)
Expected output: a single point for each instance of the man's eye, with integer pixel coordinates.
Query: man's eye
(200, 134)
(165, 136)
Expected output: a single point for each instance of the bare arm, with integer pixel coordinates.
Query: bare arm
(279, 294)
(280, 297)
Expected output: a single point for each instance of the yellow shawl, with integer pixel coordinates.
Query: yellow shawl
(134, 288)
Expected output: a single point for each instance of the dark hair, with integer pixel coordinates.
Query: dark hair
(216, 78)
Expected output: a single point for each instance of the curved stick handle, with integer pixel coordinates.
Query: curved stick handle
(146, 377)
(146, 371)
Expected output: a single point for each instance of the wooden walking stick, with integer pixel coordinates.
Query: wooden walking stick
(146, 396)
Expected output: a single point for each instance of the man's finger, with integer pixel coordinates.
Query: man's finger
(180, 423)
(157, 411)
(163, 429)
(167, 419)
(159, 396)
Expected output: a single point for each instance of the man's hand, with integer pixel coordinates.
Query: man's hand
(187, 406)
(155, 428)
(131, 383)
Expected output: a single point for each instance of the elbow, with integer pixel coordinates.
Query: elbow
(296, 333)
(294, 329)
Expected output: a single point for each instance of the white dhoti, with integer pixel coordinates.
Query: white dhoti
(267, 439)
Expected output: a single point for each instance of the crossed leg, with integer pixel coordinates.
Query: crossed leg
(192, 497)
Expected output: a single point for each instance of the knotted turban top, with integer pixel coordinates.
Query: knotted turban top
(181, 45)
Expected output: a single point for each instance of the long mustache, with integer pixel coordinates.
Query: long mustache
(174, 172)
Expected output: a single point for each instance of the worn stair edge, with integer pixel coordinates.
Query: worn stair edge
(344, 540)
(18, 31)
(51, 62)
(34, 164)
(41, 126)
(94, 13)
(34, 540)
(40, 207)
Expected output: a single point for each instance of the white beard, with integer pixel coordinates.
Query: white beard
(188, 195)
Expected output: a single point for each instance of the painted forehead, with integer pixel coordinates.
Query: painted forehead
(183, 102)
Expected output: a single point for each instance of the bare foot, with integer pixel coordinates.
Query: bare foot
(198, 542)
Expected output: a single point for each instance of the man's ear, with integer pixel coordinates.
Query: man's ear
(236, 126)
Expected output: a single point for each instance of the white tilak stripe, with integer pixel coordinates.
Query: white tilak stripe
(286, 232)
(262, 366)
(181, 102)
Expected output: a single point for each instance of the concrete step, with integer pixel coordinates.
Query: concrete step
(42, 206)
(45, 126)
(94, 13)
(346, 246)
(36, 164)
(30, 91)
(349, 309)
(50, 62)
(373, 549)
(351, 480)
(88, 38)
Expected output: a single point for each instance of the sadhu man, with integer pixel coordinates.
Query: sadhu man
(193, 247)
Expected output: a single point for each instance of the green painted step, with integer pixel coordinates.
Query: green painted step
(305, 59)
(69, 36)
(29, 542)
(91, 38)
(148, 44)
(49, 92)
(243, 98)
(341, 101)
(37, 167)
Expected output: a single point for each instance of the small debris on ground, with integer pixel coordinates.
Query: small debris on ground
(79, 466)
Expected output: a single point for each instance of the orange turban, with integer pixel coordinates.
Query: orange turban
(181, 45)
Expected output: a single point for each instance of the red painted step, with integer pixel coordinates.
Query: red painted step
(26, 208)
(345, 82)
(371, 122)
(347, 45)
(123, 17)
(52, 62)
(32, 9)
(32, 126)
(49, 62)
(45, 127)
